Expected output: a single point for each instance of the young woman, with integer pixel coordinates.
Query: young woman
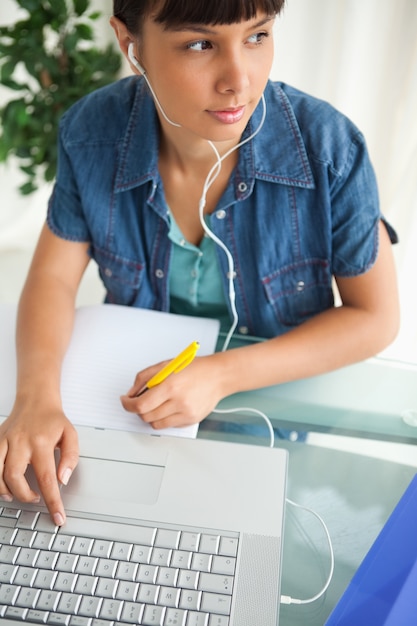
(199, 144)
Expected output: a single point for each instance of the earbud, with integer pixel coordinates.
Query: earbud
(133, 59)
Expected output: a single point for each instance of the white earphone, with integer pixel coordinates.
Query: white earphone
(133, 59)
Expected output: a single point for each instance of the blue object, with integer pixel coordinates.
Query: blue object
(383, 592)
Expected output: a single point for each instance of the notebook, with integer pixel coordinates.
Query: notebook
(383, 590)
(109, 345)
(161, 530)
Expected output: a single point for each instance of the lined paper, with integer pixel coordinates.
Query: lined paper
(109, 345)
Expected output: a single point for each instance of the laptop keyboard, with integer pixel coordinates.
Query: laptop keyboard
(97, 572)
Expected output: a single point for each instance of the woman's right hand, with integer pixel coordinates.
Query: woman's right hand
(30, 435)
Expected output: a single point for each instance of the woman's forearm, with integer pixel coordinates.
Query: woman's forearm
(46, 315)
(333, 339)
(44, 326)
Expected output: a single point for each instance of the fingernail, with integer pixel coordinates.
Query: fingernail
(66, 475)
(58, 519)
(6, 498)
(36, 500)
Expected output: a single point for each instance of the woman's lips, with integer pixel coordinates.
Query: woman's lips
(228, 116)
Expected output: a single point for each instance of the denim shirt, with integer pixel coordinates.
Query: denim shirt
(300, 207)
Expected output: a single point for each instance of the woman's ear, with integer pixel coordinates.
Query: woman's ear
(123, 35)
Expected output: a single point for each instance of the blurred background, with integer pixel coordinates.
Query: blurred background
(360, 55)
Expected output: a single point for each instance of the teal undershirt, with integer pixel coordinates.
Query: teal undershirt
(195, 281)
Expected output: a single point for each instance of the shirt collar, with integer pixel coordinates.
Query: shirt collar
(276, 154)
(278, 151)
(138, 156)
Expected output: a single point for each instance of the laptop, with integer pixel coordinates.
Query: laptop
(160, 530)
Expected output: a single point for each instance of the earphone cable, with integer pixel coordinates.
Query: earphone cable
(211, 177)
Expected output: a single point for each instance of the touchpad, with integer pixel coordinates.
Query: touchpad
(98, 484)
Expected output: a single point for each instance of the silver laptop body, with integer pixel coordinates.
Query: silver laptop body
(160, 530)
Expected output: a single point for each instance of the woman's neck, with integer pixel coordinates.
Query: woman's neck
(187, 152)
(184, 167)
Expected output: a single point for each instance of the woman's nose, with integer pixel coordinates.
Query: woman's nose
(233, 74)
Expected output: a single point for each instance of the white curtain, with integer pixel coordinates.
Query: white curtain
(360, 55)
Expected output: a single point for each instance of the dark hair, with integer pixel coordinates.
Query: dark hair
(176, 12)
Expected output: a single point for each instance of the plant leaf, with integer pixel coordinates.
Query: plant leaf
(84, 31)
(29, 5)
(27, 188)
(80, 6)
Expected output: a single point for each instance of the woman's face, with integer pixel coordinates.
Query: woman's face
(208, 78)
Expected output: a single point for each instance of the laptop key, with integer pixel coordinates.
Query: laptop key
(132, 612)
(25, 576)
(223, 565)
(15, 612)
(89, 606)
(110, 609)
(218, 620)
(7, 572)
(28, 519)
(197, 619)
(216, 583)
(43, 540)
(58, 619)
(8, 594)
(228, 546)
(153, 616)
(48, 600)
(216, 603)
(78, 620)
(7, 535)
(143, 535)
(175, 617)
(39, 617)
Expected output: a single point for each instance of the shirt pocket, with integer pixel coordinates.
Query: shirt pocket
(121, 277)
(299, 291)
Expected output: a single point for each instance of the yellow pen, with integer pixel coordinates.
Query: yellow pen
(176, 365)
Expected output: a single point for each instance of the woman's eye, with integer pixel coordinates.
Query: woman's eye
(199, 46)
(258, 38)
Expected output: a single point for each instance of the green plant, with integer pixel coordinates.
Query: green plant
(50, 59)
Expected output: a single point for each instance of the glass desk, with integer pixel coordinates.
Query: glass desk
(371, 407)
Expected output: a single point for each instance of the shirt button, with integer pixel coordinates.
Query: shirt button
(220, 214)
(231, 275)
(244, 330)
(159, 273)
(300, 285)
(108, 272)
(242, 187)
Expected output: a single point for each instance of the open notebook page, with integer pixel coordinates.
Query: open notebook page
(109, 345)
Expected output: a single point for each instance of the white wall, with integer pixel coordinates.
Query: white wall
(361, 55)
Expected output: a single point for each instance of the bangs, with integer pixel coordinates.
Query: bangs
(177, 12)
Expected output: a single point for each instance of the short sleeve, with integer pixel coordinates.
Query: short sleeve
(65, 216)
(356, 213)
